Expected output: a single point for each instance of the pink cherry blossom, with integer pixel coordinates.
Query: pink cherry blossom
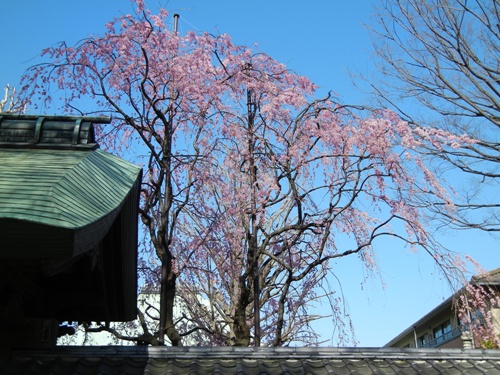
(246, 173)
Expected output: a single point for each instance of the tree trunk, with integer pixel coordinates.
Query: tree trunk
(167, 298)
(241, 328)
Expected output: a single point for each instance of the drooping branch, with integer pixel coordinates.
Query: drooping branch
(444, 55)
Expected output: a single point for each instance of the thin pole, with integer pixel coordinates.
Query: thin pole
(165, 261)
(176, 22)
(415, 336)
(253, 243)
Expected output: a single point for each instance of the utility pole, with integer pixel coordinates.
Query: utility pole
(254, 255)
(166, 261)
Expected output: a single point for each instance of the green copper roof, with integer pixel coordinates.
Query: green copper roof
(65, 199)
(68, 221)
(68, 189)
(59, 194)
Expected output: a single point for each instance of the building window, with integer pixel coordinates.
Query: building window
(423, 341)
(443, 332)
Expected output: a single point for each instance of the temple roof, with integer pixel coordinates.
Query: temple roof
(77, 194)
(28, 131)
(68, 221)
(75, 191)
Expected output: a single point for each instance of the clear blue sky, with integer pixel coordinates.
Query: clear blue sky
(322, 39)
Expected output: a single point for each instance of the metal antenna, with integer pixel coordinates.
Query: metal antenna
(176, 22)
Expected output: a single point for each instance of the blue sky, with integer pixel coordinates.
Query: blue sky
(322, 39)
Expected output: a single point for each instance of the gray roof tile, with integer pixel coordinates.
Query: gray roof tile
(271, 361)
